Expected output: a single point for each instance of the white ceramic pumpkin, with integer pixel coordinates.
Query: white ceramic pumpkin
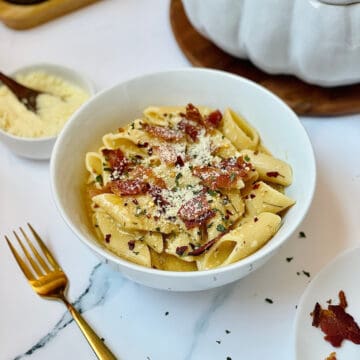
(316, 40)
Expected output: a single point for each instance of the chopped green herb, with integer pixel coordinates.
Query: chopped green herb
(288, 259)
(158, 229)
(306, 273)
(132, 125)
(99, 179)
(232, 176)
(209, 225)
(108, 169)
(297, 273)
(220, 227)
(228, 358)
(178, 176)
(210, 201)
(269, 301)
(223, 137)
(136, 252)
(212, 192)
(196, 192)
(247, 158)
(218, 341)
(302, 234)
(228, 331)
(102, 339)
(166, 313)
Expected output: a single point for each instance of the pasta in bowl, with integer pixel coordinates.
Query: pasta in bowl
(185, 189)
(252, 107)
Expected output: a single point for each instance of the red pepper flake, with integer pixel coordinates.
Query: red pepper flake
(107, 238)
(213, 119)
(273, 174)
(156, 194)
(120, 129)
(252, 196)
(129, 187)
(131, 245)
(336, 323)
(256, 186)
(150, 151)
(163, 132)
(180, 250)
(179, 161)
(196, 212)
(135, 201)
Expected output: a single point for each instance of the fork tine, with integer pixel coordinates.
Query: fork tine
(35, 252)
(44, 249)
(27, 272)
(28, 256)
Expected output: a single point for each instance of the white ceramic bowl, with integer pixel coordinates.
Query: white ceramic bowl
(40, 148)
(279, 127)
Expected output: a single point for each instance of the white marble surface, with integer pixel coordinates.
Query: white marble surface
(112, 41)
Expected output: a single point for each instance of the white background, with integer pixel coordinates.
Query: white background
(112, 41)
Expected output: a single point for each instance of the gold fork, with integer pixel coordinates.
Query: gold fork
(51, 282)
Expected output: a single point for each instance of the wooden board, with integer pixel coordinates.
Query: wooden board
(303, 98)
(22, 17)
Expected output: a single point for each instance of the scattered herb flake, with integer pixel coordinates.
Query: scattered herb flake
(228, 331)
(297, 273)
(158, 229)
(218, 341)
(177, 178)
(102, 339)
(220, 228)
(99, 179)
(288, 259)
(247, 158)
(228, 358)
(306, 273)
(302, 234)
(166, 313)
(270, 301)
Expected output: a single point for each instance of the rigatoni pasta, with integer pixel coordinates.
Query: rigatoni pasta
(186, 188)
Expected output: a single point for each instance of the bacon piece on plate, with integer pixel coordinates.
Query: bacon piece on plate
(141, 172)
(163, 133)
(195, 212)
(336, 323)
(129, 187)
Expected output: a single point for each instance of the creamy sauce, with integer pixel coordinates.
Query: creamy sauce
(53, 108)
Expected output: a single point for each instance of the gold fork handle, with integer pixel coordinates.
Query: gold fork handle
(98, 346)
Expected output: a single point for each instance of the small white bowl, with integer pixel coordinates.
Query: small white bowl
(40, 148)
(277, 124)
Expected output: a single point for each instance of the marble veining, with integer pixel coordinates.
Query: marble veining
(103, 282)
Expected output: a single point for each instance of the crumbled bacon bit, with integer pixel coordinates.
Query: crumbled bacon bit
(203, 248)
(131, 245)
(163, 132)
(155, 192)
(331, 356)
(107, 238)
(129, 187)
(195, 212)
(141, 172)
(166, 153)
(193, 114)
(189, 128)
(273, 174)
(336, 323)
(116, 159)
(213, 119)
(120, 129)
(180, 250)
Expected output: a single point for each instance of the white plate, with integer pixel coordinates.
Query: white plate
(341, 274)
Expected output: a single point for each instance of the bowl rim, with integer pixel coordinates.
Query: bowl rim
(249, 260)
(90, 88)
